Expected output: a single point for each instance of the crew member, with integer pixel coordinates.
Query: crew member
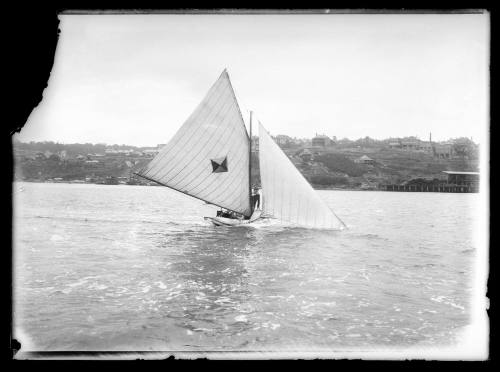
(256, 198)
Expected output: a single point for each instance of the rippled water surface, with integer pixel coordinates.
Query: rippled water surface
(100, 267)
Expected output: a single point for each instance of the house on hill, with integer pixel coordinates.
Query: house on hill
(150, 152)
(283, 140)
(365, 160)
(410, 144)
(443, 150)
(426, 146)
(321, 141)
(305, 155)
(394, 145)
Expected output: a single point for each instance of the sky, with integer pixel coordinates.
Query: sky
(135, 79)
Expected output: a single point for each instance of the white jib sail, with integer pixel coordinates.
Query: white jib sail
(286, 194)
(208, 157)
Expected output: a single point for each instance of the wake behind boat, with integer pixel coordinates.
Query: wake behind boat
(209, 158)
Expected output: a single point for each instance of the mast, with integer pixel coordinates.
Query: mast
(250, 167)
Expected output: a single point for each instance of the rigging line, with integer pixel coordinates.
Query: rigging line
(342, 222)
(237, 105)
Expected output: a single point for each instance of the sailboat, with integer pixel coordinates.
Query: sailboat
(209, 158)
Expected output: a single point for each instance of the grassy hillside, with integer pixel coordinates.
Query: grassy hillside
(391, 166)
(327, 167)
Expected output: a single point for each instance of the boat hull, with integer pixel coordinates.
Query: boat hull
(222, 221)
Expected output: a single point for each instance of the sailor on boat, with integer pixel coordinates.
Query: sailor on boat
(256, 197)
(228, 214)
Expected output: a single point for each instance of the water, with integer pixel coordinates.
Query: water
(100, 267)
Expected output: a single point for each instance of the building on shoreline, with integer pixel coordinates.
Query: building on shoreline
(463, 178)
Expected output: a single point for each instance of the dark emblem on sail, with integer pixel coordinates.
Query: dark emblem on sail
(219, 165)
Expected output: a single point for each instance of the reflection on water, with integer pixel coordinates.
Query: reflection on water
(137, 268)
(211, 266)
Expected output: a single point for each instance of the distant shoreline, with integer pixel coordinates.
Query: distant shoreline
(125, 184)
(363, 166)
(446, 189)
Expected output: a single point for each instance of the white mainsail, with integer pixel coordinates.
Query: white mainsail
(208, 158)
(286, 194)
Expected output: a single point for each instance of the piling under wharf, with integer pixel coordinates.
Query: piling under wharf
(431, 188)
